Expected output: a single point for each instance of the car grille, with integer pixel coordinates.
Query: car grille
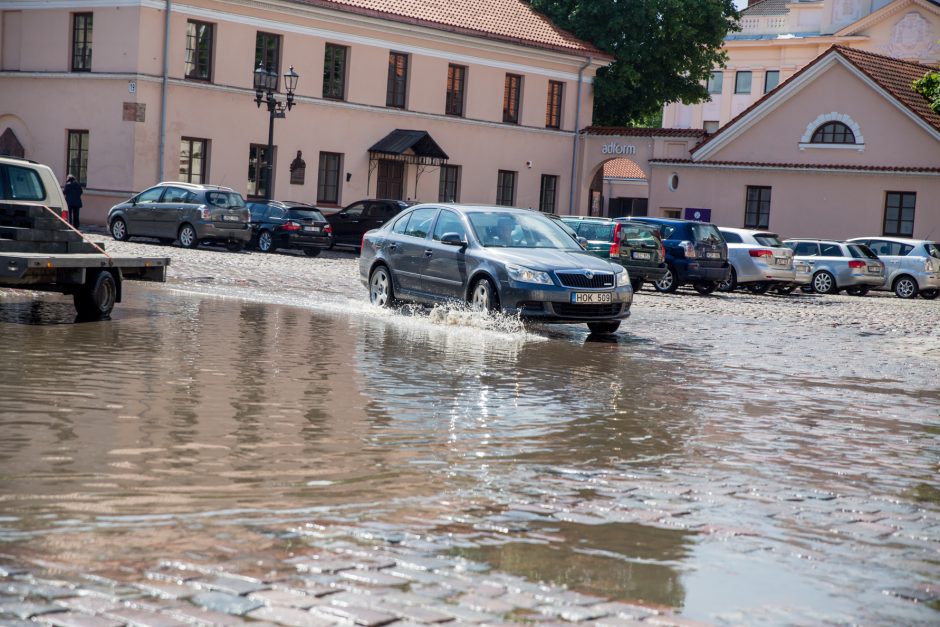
(596, 281)
(587, 311)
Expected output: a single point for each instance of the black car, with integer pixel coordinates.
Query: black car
(351, 222)
(696, 253)
(641, 251)
(285, 224)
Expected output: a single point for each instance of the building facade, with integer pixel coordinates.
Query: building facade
(474, 102)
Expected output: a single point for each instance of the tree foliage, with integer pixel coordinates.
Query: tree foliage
(664, 49)
(929, 88)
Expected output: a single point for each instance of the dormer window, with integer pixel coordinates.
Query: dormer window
(833, 133)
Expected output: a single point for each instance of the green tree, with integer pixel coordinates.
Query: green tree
(929, 88)
(664, 49)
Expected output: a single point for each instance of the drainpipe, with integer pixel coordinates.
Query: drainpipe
(166, 75)
(577, 135)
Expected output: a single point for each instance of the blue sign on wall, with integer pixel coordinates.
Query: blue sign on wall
(699, 215)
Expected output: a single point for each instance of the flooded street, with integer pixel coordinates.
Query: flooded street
(729, 460)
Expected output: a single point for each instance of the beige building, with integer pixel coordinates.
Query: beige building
(475, 102)
(779, 37)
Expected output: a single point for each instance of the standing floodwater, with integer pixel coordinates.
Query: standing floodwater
(749, 474)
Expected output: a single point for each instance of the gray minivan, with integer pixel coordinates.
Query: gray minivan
(186, 212)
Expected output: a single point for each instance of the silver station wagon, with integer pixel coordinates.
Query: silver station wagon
(838, 266)
(912, 266)
(192, 214)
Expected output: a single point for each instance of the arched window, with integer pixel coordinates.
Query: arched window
(833, 133)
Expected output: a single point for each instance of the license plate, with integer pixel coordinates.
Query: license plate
(713, 255)
(591, 298)
(314, 229)
(637, 255)
(874, 269)
(782, 261)
(231, 218)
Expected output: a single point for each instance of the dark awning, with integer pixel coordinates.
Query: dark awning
(410, 147)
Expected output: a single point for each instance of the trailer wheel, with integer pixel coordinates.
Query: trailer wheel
(95, 299)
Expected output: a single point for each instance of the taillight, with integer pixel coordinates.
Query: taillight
(688, 249)
(615, 247)
(65, 216)
(928, 266)
(761, 252)
(362, 244)
(662, 250)
(290, 225)
(856, 264)
(204, 212)
(328, 229)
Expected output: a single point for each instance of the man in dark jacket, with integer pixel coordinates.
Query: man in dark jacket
(73, 198)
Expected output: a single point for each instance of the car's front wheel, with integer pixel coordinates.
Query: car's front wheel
(824, 283)
(265, 241)
(119, 229)
(705, 287)
(187, 236)
(668, 284)
(483, 296)
(905, 287)
(605, 327)
(381, 292)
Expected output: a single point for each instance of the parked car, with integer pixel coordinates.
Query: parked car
(695, 253)
(190, 213)
(839, 265)
(287, 224)
(601, 234)
(641, 252)
(760, 261)
(912, 266)
(351, 222)
(495, 258)
(28, 182)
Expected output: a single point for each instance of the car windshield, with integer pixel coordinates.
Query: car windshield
(225, 200)
(933, 249)
(861, 251)
(768, 239)
(706, 233)
(504, 229)
(295, 213)
(638, 237)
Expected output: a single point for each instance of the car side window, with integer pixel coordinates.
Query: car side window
(420, 223)
(905, 249)
(380, 210)
(732, 238)
(18, 183)
(667, 231)
(175, 194)
(449, 222)
(806, 249)
(277, 213)
(830, 250)
(354, 211)
(401, 224)
(150, 196)
(257, 210)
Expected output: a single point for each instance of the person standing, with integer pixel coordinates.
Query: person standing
(73, 198)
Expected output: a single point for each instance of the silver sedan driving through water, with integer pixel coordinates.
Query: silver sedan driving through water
(495, 258)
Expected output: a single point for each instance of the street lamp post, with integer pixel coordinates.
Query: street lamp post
(265, 83)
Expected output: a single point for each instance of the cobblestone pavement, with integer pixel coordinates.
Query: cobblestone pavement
(446, 564)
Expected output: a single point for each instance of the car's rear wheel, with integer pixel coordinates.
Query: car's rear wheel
(705, 287)
(905, 287)
(929, 294)
(265, 241)
(187, 236)
(608, 326)
(668, 284)
(381, 292)
(858, 290)
(636, 284)
(119, 229)
(730, 284)
(311, 252)
(483, 296)
(824, 283)
(758, 288)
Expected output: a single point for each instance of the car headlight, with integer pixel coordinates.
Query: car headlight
(622, 278)
(527, 275)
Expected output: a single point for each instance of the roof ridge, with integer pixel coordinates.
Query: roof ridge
(876, 55)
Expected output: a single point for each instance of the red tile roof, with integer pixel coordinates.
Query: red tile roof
(636, 131)
(893, 75)
(507, 20)
(802, 166)
(623, 169)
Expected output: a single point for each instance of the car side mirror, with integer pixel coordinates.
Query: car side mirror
(453, 239)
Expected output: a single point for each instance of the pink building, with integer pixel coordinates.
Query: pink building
(126, 93)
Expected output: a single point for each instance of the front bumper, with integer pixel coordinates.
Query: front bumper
(554, 303)
(239, 233)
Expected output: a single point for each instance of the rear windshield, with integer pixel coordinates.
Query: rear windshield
(638, 237)
(225, 200)
(603, 231)
(18, 183)
(706, 233)
(305, 214)
(933, 249)
(768, 239)
(861, 251)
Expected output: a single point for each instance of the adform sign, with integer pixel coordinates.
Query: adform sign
(618, 149)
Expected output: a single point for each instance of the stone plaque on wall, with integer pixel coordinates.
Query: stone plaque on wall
(298, 168)
(135, 112)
